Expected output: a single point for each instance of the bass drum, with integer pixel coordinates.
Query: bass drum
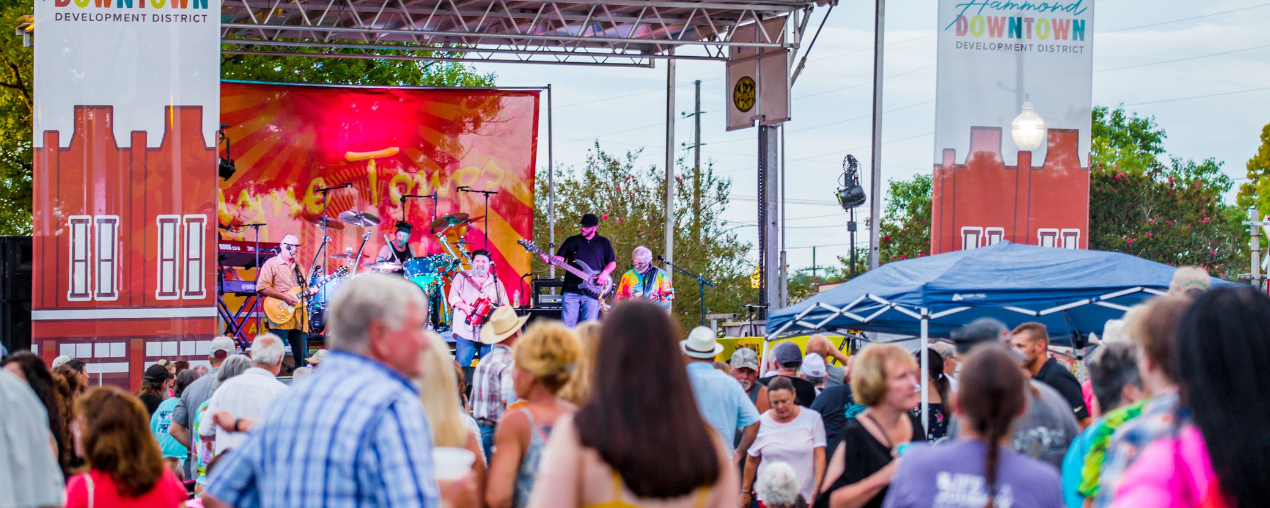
(318, 303)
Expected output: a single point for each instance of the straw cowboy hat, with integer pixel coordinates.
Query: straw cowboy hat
(501, 325)
(701, 344)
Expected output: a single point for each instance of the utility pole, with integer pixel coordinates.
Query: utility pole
(875, 175)
(668, 251)
(696, 165)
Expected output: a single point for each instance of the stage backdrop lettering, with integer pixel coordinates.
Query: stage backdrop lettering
(126, 102)
(289, 141)
(1012, 124)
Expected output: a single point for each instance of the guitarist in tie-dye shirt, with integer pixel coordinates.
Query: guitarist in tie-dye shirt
(645, 281)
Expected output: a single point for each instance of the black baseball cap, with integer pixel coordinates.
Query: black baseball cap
(590, 220)
(157, 372)
(979, 331)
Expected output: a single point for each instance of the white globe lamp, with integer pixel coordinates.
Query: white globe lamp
(1028, 128)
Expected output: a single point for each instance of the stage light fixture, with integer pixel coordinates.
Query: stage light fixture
(850, 193)
(1028, 129)
(225, 165)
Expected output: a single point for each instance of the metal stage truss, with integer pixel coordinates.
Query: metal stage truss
(621, 33)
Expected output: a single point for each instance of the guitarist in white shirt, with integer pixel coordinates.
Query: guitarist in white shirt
(469, 287)
(277, 276)
(596, 253)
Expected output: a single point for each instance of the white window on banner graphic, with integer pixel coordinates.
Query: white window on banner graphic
(107, 265)
(1047, 237)
(970, 237)
(1071, 238)
(994, 235)
(79, 231)
(168, 264)
(195, 241)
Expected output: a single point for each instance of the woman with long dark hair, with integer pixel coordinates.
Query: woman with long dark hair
(938, 388)
(1222, 457)
(979, 466)
(640, 439)
(125, 465)
(32, 370)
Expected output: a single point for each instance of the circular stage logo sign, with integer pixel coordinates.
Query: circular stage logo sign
(743, 94)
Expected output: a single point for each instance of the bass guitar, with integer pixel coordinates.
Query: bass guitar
(279, 311)
(589, 286)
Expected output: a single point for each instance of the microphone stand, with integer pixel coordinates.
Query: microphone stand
(464, 188)
(432, 196)
(321, 252)
(701, 284)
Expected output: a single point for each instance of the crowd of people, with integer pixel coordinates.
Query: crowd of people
(628, 412)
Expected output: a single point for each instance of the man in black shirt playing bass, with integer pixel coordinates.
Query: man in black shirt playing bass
(588, 251)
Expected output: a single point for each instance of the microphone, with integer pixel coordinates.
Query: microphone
(659, 258)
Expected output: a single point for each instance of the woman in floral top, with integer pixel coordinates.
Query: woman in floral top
(938, 388)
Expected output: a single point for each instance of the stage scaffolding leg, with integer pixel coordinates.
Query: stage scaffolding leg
(875, 173)
(669, 250)
(925, 374)
(769, 218)
(551, 191)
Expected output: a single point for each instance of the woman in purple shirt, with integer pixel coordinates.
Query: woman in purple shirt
(978, 470)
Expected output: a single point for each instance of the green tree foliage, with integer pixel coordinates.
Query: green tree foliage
(1167, 211)
(630, 202)
(16, 105)
(1256, 191)
(352, 71)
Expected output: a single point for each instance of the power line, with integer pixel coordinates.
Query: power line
(1184, 59)
(1200, 96)
(1183, 19)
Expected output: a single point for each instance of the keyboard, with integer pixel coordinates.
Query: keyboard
(242, 254)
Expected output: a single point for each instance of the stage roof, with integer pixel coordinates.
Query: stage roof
(625, 33)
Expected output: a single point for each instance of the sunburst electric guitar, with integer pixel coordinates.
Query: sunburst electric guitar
(279, 311)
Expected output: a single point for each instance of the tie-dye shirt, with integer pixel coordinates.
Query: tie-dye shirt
(652, 285)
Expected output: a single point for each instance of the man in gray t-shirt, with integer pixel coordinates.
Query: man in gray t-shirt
(1045, 431)
(1049, 425)
(196, 394)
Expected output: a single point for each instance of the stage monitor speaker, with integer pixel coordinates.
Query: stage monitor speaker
(15, 292)
(548, 300)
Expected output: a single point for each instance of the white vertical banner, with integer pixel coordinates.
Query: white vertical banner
(995, 55)
(134, 55)
(1013, 107)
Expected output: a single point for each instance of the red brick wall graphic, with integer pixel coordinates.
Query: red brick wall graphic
(983, 201)
(124, 244)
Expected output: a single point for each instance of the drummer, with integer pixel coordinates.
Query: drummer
(468, 287)
(398, 249)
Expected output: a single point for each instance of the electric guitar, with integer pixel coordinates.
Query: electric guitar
(279, 311)
(589, 286)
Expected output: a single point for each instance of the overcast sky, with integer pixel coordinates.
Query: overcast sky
(1202, 69)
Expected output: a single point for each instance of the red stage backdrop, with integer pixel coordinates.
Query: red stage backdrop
(291, 140)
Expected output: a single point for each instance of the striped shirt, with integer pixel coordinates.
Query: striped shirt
(353, 435)
(492, 385)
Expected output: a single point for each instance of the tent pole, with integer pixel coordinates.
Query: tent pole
(762, 360)
(925, 372)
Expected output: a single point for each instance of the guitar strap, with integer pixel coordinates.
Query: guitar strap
(498, 298)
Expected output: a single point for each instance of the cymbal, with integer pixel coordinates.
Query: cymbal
(385, 266)
(356, 218)
(348, 256)
(449, 220)
(331, 223)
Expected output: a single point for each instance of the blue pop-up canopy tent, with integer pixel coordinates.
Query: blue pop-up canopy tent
(1072, 292)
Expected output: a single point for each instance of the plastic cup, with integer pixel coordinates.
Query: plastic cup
(451, 463)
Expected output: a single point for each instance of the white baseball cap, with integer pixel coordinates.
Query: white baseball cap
(221, 344)
(813, 365)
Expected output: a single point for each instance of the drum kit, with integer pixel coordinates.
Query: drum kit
(432, 273)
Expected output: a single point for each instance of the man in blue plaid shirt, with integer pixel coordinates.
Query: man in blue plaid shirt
(354, 434)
